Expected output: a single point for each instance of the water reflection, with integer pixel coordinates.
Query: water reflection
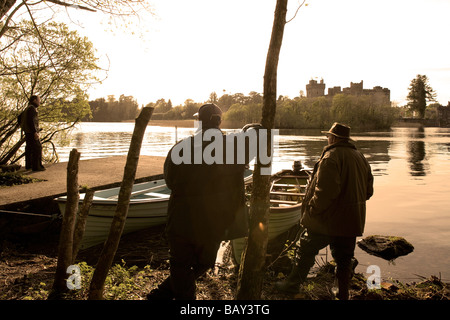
(416, 152)
(308, 149)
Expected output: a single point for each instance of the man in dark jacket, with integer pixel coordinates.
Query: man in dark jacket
(333, 210)
(30, 125)
(205, 198)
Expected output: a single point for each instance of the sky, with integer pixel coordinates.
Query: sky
(189, 49)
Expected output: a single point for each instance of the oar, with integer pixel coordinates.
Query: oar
(144, 191)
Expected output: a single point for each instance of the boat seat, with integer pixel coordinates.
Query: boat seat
(289, 185)
(283, 201)
(285, 193)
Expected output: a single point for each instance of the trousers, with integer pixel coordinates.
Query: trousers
(33, 152)
(188, 261)
(342, 250)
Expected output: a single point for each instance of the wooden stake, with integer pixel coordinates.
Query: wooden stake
(111, 244)
(81, 222)
(65, 247)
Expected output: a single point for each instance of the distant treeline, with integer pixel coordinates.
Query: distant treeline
(240, 109)
(360, 112)
(112, 110)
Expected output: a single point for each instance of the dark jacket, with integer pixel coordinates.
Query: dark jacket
(335, 201)
(204, 197)
(30, 121)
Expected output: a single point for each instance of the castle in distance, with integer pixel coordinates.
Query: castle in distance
(380, 95)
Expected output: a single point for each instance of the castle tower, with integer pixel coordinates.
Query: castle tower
(314, 89)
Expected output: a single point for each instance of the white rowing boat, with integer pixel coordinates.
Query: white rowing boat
(148, 207)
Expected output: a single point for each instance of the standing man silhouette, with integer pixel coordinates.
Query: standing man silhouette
(33, 147)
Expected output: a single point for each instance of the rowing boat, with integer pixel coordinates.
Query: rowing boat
(148, 207)
(286, 194)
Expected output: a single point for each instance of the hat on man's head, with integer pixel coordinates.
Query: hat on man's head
(209, 114)
(339, 130)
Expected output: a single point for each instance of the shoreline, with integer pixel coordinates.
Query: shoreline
(188, 124)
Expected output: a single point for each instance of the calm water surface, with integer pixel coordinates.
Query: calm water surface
(411, 169)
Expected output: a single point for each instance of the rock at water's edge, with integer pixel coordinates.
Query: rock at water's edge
(386, 247)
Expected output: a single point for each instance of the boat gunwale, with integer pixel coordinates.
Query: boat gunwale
(113, 202)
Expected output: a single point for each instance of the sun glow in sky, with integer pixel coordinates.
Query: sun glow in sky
(192, 48)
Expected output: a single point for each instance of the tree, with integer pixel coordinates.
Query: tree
(225, 102)
(212, 97)
(161, 106)
(110, 247)
(255, 97)
(50, 61)
(120, 8)
(251, 272)
(420, 92)
(189, 109)
(128, 107)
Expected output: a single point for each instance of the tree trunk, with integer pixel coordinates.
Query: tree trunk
(66, 236)
(5, 6)
(81, 222)
(111, 244)
(252, 267)
(12, 151)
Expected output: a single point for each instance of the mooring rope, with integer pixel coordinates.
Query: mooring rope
(53, 216)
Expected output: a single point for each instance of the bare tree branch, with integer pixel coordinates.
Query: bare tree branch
(301, 4)
(8, 20)
(76, 6)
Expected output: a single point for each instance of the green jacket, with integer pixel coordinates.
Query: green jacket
(335, 201)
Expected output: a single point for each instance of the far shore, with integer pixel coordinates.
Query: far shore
(172, 123)
(189, 123)
(185, 124)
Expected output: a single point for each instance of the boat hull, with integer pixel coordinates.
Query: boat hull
(143, 212)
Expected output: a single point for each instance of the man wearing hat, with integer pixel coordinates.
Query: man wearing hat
(333, 210)
(205, 198)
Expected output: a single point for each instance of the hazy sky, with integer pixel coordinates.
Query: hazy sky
(192, 48)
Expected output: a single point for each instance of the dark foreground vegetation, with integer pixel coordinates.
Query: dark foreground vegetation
(27, 268)
(13, 178)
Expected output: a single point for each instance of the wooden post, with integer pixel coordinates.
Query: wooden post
(65, 247)
(81, 222)
(111, 244)
(251, 273)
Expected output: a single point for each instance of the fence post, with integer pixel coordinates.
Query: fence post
(65, 246)
(81, 222)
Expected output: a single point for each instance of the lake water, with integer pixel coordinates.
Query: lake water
(412, 189)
